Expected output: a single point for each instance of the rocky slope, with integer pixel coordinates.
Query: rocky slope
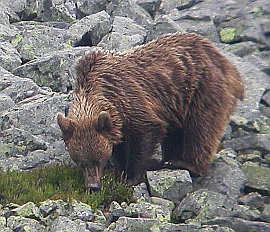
(39, 42)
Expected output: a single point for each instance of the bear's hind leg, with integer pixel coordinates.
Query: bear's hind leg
(172, 152)
(197, 141)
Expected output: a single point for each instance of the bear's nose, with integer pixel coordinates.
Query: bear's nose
(93, 188)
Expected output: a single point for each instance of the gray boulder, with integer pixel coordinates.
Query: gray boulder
(224, 175)
(18, 223)
(203, 205)
(9, 56)
(56, 70)
(44, 10)
(238, 224)
(125, 34)
(253, 200)
(169, 184)
(130, 9)
(85, 8)
(36, 39)
(167, 5)
(260, 142)
(258, 178)
(91, 29)
(146, 225)
(65, 224)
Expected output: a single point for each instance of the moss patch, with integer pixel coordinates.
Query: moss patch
(227, 35)
(58, 182)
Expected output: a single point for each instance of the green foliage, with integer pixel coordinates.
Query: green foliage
(58, 182)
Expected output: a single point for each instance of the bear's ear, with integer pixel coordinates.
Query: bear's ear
(66, 125)
(103, 123)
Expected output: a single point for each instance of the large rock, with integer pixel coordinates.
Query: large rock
(91, 29)
(84, 8)
(167, 5)
(175, 21)
(18, 88)
(260, 142)
(18, 223)
(169, 184)
(65, 224)
(36, 115)
(55, 70)
(224, 175)
(203, 205)
(130, 9)
(125, 34)
(9, 56)
(239, 225)
(36, 39)
(258, 178)
(44, 10)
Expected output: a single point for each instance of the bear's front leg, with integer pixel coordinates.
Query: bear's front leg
(120, 161)
(140, 150)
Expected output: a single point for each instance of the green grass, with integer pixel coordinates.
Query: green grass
(58, 182)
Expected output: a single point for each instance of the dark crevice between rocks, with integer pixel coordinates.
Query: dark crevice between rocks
(263, 101)
(263, 192)
(86, 40)
(79, 13)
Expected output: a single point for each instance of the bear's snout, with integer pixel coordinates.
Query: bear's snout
(92, 177)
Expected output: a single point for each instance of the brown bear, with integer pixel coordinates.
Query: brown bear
(177, 91)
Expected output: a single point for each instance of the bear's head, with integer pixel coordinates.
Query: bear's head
(90, 144)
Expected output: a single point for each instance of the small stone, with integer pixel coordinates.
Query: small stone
(149, 210)
(140, 193)
(238, 224)
(267, 159)
(81, 211)
(47, 207)
(115, 211)
(2, 223)
(266, 98)
(162, 202)
(95, 227)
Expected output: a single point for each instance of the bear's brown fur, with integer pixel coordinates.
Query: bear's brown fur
(177, 91)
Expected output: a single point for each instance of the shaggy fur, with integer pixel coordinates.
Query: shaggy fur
(177, 91)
